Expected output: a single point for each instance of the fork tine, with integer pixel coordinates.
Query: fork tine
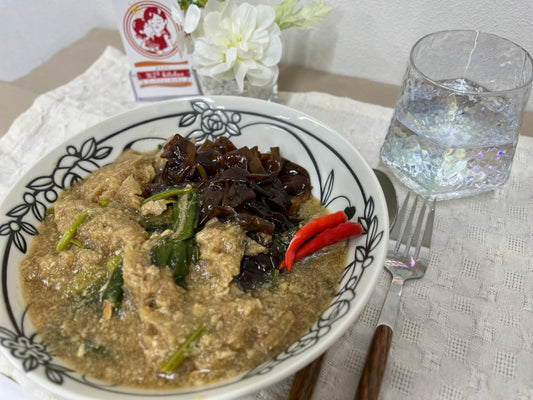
(401, 223)
(424, 234)
(422, 229)
(428, 233)
(405, 232)
(416, 237)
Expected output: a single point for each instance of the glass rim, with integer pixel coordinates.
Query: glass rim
(489, 93)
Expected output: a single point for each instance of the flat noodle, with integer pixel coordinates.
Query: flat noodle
(233, 329)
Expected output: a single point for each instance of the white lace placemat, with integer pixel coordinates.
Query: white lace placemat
(465, 331)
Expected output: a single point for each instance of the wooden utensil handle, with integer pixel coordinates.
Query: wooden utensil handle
(376, 361)
(305, 380)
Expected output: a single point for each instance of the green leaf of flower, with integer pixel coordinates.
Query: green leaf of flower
(184, 4)
(305, 17)
(285, 8)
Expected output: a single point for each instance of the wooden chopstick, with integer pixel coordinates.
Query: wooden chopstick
(305, 380)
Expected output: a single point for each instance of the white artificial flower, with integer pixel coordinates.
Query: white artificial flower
(236, 42)
(188, 21)
(192, 18)
(177, 14)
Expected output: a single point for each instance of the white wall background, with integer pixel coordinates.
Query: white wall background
(366, 39)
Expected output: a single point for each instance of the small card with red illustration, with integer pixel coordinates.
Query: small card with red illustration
(159, 68)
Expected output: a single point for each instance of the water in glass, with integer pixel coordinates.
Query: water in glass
(449, 146)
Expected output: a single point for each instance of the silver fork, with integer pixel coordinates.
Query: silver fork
(408, 258)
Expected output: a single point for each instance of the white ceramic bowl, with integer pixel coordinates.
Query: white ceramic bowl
(340, 178)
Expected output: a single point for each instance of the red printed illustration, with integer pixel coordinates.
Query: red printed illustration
(150, 30)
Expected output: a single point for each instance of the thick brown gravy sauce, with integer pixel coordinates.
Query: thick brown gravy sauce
(244, 329)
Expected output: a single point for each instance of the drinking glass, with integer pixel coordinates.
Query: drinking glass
(457, 119)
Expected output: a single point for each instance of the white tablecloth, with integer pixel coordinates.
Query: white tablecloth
(465, 331)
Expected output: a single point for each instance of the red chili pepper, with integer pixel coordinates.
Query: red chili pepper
(309, 230)
(330, 236)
